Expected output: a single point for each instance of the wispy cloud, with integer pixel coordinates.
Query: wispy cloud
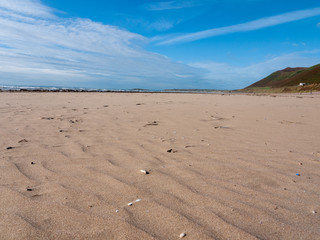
(244, 27)
(26, 7)
(38, 49)
(161, 25)
(170, 5)
(158, 24)
(225, 76)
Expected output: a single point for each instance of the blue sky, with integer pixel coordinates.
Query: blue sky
(218, 44)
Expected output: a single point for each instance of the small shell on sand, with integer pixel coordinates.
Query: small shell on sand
(144, 171)
(182, 235)
(130, 204)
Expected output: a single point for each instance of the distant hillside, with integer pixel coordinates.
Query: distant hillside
(290, 77)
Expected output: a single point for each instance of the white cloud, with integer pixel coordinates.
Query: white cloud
(161, 25)
(244, 27)
(169, 5)
(26, 7)
(36, 49)
(225, 76)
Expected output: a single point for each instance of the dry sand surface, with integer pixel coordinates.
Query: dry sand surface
(70, 165)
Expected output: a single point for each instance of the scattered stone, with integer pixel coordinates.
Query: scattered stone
(130, 204)
(29, 189)
(314, 211)
(284, 188)
(8, 148)
(182, 235)
(276, 208)
(300, 163)
(23, 141)
(138, 200)
(33, 163)
(117, 211)
(144, 171)
(105, 105)
(172, 150)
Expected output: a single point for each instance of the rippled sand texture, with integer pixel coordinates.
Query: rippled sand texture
(221, 167)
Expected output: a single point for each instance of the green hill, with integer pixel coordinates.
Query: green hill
(290, 78)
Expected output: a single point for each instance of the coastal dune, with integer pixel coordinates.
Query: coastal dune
(219, 166)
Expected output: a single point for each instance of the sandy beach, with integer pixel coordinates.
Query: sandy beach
(219, 166)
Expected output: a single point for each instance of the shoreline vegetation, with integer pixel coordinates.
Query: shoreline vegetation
(295, 80)
(292, 89)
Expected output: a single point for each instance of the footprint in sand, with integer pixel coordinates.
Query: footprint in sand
(48, 118)
(289, 122)
(217, 127)
(154, 123)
